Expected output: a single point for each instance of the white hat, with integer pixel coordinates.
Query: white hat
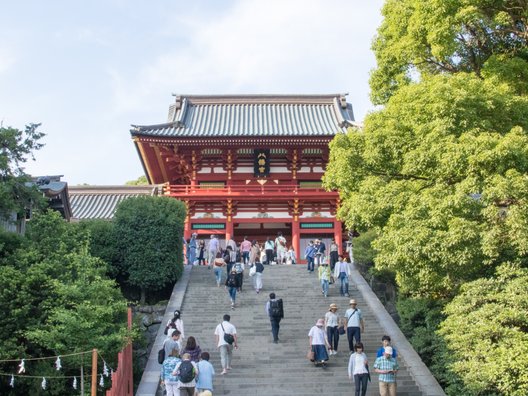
(388, 350)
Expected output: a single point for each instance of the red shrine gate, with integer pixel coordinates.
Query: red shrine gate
(249, 165)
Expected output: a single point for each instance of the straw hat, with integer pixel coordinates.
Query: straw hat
(352, 302)
(332, 306)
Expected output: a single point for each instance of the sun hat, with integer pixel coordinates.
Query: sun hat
(205, 393)
(332, 306)
(388, 350)
(352, 302)
(320, 322)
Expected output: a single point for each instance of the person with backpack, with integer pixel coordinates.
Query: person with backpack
(232, 284)
(257, 276)
(275, 311)
(171, 382)
(239, 268)
(186, 370)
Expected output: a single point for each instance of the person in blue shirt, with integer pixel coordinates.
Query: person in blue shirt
(386, 341)
(206, 374)
(172, 382)
(309, 254)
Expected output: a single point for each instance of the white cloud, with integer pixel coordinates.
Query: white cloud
(261, 47)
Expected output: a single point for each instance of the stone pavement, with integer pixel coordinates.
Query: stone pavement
(263, 368)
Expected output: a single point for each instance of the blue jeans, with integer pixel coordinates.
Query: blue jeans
(310, 262)
(324, 285)
(218, 274)
(361, 381)
(353, 332)
(332, 334)
(275, 326)
(343, 277)
(232, 293)
(192, 255)
(245, 257)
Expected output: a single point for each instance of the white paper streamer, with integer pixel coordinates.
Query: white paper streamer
(12, 382)
(22, 367)
(74, 382)
(58, 365)
(105, 370)
(101, 381)
(44, 383)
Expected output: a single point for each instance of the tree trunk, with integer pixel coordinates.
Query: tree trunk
(142, 297)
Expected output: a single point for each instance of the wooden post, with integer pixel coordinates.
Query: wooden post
(94, 372)
(296, 238)
(338, 236)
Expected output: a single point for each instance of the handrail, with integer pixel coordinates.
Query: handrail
(186, 189)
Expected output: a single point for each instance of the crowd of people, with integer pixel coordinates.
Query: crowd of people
(186, 369)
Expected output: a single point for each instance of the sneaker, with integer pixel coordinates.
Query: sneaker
(347, 295)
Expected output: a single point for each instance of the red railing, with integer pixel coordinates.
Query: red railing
(122, 378)
(242, 190)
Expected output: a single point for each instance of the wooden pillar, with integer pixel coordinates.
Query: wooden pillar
(338, 235)
(94, 372)
(229, 222)
(296, 238)
(296, 232)
(187, 224)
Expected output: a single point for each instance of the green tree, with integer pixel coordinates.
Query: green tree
(16, 147)
(434, 172)
(150, 231)
(140, 181)
(417, 37)
(55, 298)
(486, 330)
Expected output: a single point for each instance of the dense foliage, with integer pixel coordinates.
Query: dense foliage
(16, 147)
(439, 172)
(149, 245)
(55, 298)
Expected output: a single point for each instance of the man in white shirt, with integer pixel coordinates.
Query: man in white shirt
(280, 247)
(226, 349)
(214, 248)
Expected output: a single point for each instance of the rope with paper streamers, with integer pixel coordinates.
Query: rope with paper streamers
(21, 370)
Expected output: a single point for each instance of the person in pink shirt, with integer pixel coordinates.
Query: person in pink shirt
(245, 248)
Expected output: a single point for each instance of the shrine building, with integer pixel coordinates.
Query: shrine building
(249, 165)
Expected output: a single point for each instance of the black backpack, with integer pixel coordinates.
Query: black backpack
(186, 371)
(276, 309)
(231, 281)
(161, 355)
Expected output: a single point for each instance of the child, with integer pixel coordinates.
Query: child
(205, 378)
(187, 371)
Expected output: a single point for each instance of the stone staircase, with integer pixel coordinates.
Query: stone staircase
(263, 368)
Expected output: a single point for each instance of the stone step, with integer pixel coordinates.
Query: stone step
(263, 368)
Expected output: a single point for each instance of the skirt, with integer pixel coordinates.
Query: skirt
(320, 354)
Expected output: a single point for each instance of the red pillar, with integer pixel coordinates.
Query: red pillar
(338, 235)
(229, 228)
(296, 238)
(187, 227)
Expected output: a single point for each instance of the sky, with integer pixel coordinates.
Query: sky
(88, 70)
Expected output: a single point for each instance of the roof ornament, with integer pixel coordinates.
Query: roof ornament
(342, 100)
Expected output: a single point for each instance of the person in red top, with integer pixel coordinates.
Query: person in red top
(245, 248)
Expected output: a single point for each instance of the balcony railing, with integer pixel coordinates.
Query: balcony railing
(244, 190)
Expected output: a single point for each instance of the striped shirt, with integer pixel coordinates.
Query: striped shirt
(383, 363)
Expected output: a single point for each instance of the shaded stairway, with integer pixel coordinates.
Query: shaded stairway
(263, 368)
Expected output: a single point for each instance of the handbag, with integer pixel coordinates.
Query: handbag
(341, 330)
(253, 270)
(228, 337)
(310, 355)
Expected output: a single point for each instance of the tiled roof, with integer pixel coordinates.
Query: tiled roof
(100, 202)
(253, 115)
